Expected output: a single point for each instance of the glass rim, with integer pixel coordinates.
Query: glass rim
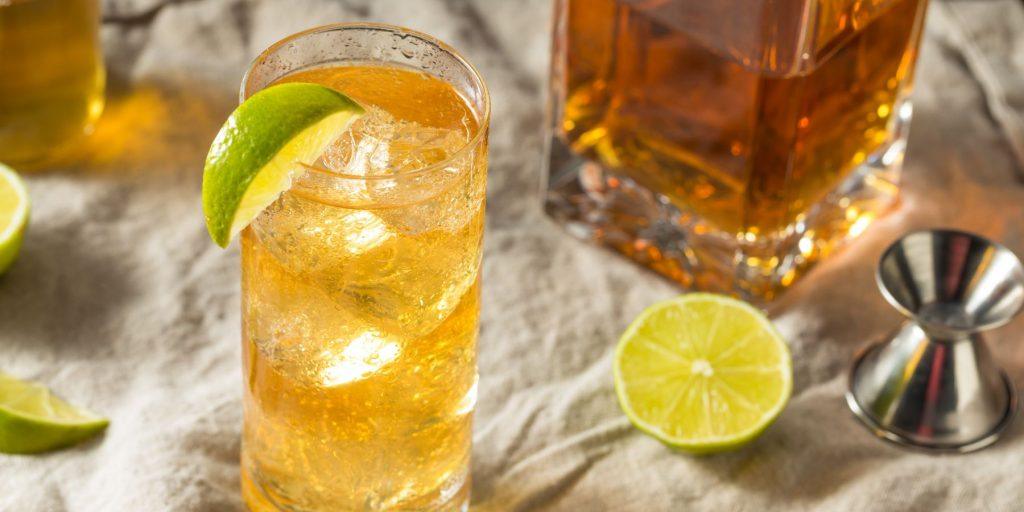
(475, 74)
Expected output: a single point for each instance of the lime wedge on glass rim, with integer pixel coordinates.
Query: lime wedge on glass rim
(702, 373)
(32, 420)
(14, 207)
(255, 155)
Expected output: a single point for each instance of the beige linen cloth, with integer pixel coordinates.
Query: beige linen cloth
(121, 303)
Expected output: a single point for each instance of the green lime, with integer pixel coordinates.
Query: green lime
(254, 157)
(32, 420)
(14, 208)
(702, 373)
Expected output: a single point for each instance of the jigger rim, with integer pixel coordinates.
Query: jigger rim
(895, 303)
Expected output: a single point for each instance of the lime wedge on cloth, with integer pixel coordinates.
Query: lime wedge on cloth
(14, 208)
(33, 420)
(702, 373)
(253, 158)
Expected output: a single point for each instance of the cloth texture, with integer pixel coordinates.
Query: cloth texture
(121, 303)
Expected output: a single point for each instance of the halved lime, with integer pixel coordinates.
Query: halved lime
(14, 208)
(702, 373)
(254, 157)
(32, 420)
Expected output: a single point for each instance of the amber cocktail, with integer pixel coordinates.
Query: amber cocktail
(361, 288)
(51, 76)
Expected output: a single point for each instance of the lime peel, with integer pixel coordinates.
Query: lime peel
(257, 152)
(663, 345)
(33, 420)
(16, 214)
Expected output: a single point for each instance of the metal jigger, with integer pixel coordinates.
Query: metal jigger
(933, 384)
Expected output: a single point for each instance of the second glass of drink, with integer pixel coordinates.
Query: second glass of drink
(51, 90)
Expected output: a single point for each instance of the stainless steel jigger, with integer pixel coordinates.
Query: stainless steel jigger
(933, 384)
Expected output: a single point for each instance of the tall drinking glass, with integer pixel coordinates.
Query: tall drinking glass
(360, 284)
(51, 77)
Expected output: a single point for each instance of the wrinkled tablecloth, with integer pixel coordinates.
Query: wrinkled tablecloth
(121, 303)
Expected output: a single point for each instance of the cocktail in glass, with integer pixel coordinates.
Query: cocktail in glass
(51, 77)
(360, 284)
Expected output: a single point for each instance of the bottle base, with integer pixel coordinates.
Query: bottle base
(601, 205)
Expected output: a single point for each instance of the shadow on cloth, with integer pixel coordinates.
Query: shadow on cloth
(151, 128)
(63, 288)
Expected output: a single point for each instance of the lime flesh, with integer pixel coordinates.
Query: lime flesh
(14, 209)
(32, 420)
(702, 373)
(256, 153)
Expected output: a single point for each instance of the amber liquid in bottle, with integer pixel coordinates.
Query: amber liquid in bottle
(714, 107)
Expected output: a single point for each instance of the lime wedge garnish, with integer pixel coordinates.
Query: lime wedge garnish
(33, 420)
(14, 208)
(253, 158)
(702, 373)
